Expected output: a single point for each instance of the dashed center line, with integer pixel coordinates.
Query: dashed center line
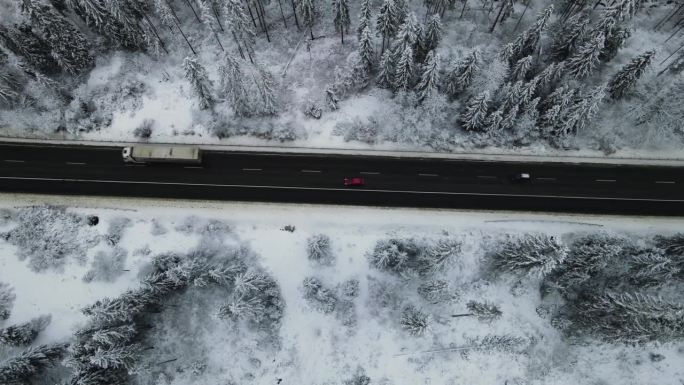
(606, 180)
(14, 161)
(665, 182)
(486, 177)
(193, 167)
(76, 163)
(251, 169)
(421, 174)
(546, 178)
(369, 173)
(312, 171)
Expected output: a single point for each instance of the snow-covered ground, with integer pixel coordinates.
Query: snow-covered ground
(312, 346)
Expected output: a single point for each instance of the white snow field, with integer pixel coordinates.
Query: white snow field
(337, 334)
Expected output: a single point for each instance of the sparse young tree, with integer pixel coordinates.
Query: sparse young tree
(529, 254)
(431, 36)
(366, 50)
(341, 20)
(365, 18)
(385, 77)
(437, 291)
(20, 369)
(461, 75)
(267, 91)
(583, 63)
(388, 22)
(415, 321)
(403, 75)
(199, 81)
(474, 117)
(629, 74)
(319, 249)
(429, 77)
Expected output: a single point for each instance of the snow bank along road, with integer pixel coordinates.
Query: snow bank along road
(316, 178)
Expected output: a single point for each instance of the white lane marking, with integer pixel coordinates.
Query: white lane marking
(251, 169)
(545, 178)
(606, 180)
(486, 176)
(369, 173)
(76, 163)
(312, 171)
(133, 165)
(665, 182)
(15, 161)
(193, 167)
(421, 174)
(577, 197)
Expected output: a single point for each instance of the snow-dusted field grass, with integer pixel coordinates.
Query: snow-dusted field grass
(313, 347)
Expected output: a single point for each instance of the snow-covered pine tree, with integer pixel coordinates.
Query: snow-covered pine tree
(93, 11)
(530, 254)
(431, 36)
(232, 86)
(569, 36)
(385, 77)
(365, 17)
(654, 268)
(388, 22)
(25, 333)
(407, 36)
(307, 9)
(117, 357)
(429, 77)
(585, 60)
(629, 74)
(522, 68)
(493, 120)
(68, 45)
(614, 41)
(527, 43)
(238, 23)
(627, 318)
(210, 19)
(512, 95)
(461, 75)
(267, 91)
(128, 14)
(115, 335)
(199, 81)
(366, 51)
(474, 117)
(415, 321)
(341, 17)
(319, 249)
(484, 311)
(556, 106)
(165, 13)
(403, 73)
(24, 43)
(582, 111)
(672, 245)
(437, 291)
(509, 117)
(9, 89)
(7, 298)
(20, 369)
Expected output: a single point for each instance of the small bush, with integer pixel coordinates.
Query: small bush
(7, 298)
(116, 229)
(107, 267)
(350, 288)
(484, 311)
(144, 130)
(24, 334)
(409, 256)
(320, 250)
(529, 254)
(318, 296)
(415, 321)
(157, 228)
(437, 291)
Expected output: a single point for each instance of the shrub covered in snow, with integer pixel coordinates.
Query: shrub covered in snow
(531, 254)
(25, 333)
(256, 298)
(19, 370)
(319, 249)
(415, 321)
(116, 229)
(48, 235)
(318, 296)
(437, 291)
(107, 266)
(407, 256)
(7, 298)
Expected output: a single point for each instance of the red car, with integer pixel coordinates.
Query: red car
(354, 181)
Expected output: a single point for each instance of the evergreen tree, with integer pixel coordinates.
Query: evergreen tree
(29, 46)
(407, 36)
(429, 77)
(521, 68)
(210, 19)
(232, 86)
(582, 111)
(25, 333)
(493, 121)
(614, 41)
(117, 357)
(128, 13)
(572, 33)
(484, 311)
(238, 23)
(388, 22)
(654, 268)
(267, 92)
(529, 254)
(415, 321)
(475, 115)
(431, 36)
(461, 75)
(307, 9)
(672, 245)
(165, 13)
(68, 46)
(403, 74)
(20, 369)
(366, 51)
(386, 72)
(201, 85)
(629, 74)
(509, 117)
(583, 63)
(342, 21)
(365, 17)
(556, 106)
(527, 43)
(437, 291)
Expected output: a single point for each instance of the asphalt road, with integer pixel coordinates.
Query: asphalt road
(304, 178)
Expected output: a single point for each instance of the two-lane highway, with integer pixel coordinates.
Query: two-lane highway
(316, 178)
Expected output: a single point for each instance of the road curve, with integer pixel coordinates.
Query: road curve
(315, 178)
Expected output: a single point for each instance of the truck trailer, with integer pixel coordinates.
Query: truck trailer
(162, 154)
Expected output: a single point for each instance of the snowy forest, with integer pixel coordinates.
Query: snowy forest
(438, 75)
(142, 296)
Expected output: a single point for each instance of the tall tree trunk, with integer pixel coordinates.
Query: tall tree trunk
(342, 34)
(251, 14)
(193, 10)
(294, 13)
(465, 2)
(177, 22)
(503, 5)
(311, 31)
(282, 13)
(154, 30)
(242, 54)
(218, 18)
(263, 18)
(521, 16)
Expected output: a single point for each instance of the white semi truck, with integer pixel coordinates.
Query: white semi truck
(162, 154)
